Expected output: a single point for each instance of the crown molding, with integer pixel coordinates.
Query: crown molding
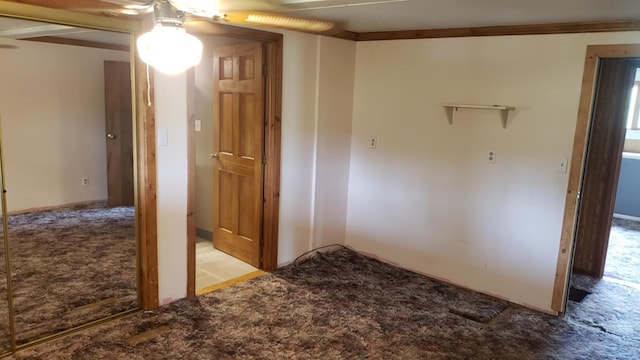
(536, 29)
(76, 42)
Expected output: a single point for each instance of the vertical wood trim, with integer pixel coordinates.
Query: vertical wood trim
(147, 181)
(191, 185)
(272, 143)
(594, 53)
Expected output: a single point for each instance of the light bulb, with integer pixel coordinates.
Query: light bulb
(169, 49)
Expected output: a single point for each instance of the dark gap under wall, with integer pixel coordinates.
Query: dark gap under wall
(204, 234)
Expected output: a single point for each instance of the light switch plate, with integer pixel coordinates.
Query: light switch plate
(563, 164)
(163, 137)
(198, 124)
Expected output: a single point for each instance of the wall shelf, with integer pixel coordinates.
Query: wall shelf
(504, 111)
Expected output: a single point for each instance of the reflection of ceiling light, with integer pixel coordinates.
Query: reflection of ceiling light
(168, 48)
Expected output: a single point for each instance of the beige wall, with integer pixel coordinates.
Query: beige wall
(171, 116)
(301, 112)
(336, 71)
(53, 130)
(427, 199)
(204, 139)
(632, 145)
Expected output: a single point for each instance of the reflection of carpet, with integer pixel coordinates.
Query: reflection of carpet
(4, 306)
(623, 253)
(71, 266)
(342, 305)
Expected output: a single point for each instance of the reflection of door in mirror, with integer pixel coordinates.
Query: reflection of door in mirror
(73, 254)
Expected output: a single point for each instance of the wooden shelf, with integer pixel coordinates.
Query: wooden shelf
(504, 111)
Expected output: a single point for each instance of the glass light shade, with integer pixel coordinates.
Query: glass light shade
(169, 49)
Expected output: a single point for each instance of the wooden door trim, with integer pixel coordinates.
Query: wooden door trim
(272, 140)
(147, 185)
(191, 184)
(273, 50)
(576, 169)
(602, 165)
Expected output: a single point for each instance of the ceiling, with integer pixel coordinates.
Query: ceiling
(397, 15)
(363, 16)
(12, 28)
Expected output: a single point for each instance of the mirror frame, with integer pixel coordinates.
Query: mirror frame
(143, 113)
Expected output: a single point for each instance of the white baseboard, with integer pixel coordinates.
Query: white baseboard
(626, 217)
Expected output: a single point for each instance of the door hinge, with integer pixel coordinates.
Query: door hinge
(264, 70)
(264, 159)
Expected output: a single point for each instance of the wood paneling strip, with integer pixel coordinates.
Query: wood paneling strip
(191, 184)
(272, 133)
(147, 183)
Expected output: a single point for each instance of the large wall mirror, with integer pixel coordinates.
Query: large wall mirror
(69, 256)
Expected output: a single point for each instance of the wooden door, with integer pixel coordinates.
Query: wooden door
(604, 151)
(118, 126)
(238, 150)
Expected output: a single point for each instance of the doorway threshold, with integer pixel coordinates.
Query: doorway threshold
(230, 282)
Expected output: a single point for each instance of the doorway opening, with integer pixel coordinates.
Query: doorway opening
(609, 305)
(582, 293)
(234, 146)
(609, 75)
(623, 251)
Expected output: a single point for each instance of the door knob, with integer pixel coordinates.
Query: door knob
(214, 156)
(111, 136)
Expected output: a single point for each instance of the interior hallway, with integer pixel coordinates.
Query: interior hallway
(214, 266)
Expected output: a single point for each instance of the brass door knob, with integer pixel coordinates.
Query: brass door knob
(111, 136)
(214, 156)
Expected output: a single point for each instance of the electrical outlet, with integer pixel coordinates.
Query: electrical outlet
(85, 181)
(373, 143)
(492, 157)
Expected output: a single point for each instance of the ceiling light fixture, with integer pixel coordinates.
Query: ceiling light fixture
(168, 48)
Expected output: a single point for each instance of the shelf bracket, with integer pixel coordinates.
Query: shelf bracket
(449, 110)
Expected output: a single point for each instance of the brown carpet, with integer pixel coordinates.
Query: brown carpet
(623, 254)
(70, 266)
(342, 305)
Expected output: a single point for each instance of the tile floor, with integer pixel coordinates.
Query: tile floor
(214, 266)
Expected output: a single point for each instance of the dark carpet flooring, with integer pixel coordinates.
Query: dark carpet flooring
(71, 266)
(341, 305)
